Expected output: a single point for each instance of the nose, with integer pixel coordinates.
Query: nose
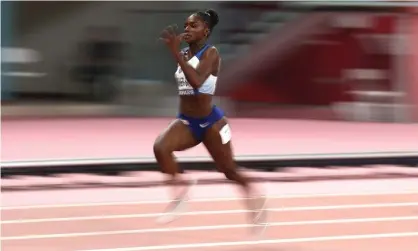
(186, 29)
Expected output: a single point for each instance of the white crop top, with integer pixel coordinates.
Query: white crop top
(184, 88)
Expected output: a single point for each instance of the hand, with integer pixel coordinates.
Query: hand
(171, 39)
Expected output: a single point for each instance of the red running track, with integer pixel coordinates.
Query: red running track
(315, 222)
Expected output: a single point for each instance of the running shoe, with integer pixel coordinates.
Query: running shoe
(259, 214)
(177, 206)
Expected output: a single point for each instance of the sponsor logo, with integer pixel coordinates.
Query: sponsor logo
(204, 125)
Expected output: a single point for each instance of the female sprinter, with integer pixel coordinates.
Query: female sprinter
(199, 120)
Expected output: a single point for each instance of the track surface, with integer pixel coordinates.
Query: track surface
(313, 222)
(118, 138)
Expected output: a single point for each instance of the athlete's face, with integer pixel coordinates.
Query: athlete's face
(195, 29)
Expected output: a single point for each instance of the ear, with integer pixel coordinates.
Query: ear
(207, 32)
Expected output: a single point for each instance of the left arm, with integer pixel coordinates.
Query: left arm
(196, 77)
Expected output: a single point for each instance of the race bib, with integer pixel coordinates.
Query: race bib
(226, 134)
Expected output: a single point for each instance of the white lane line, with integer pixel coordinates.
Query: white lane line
(211, 212)
(199, 228)
(285, 196)
(260, 242)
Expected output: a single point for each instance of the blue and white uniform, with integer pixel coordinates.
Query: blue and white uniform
(198, 126)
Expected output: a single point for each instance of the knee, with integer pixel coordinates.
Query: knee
(160, 148)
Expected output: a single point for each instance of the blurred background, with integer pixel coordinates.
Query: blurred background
(86, 88)
(335, 60)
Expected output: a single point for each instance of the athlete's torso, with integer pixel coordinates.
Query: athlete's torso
(195, 102)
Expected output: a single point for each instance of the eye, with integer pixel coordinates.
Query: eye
(192, 24)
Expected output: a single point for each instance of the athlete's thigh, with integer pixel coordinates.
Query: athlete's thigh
(176, 137)
(217, 141)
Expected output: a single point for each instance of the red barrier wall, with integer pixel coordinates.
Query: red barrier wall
(298, 79)
(294, 80)
(413, 63)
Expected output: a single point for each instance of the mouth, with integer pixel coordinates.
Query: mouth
(187, 37)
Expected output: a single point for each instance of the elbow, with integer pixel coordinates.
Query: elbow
(197, 83)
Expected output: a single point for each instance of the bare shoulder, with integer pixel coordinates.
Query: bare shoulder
(213, 50)
(212, 53)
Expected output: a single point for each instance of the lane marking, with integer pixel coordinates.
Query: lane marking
(213, 227)
(286, 196)
(260, 242)
(213, 212)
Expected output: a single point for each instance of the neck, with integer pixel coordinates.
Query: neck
(196, 47)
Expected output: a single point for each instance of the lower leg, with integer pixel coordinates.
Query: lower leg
(241, 180)
(254, 201)
(170, 167)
